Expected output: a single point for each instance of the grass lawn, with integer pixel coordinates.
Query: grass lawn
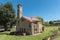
(47, 32)
(58, 38)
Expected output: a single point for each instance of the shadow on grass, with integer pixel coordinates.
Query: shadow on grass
(8, 33)
(19, 34)
(4, 32)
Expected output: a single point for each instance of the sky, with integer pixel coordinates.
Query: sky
(47, 9)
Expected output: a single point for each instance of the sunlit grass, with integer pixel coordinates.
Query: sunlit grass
(5, 35)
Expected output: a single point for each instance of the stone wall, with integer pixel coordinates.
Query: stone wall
(25, 25)
(38, 26)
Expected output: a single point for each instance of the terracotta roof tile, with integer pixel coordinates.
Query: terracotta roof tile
(30, 19)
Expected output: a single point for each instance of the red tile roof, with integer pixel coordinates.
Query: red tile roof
(31, 19)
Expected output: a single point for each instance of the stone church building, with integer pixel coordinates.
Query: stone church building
(27, 25)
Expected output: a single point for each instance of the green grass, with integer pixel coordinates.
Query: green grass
(5, 35)
(58, 38)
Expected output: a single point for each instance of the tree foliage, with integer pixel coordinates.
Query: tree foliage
(7, 14)
(41, 19)
(55, 22)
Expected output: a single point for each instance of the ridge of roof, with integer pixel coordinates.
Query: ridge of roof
(30, 19)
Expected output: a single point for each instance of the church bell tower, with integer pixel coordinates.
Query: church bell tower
(19, 15)
(19, 11)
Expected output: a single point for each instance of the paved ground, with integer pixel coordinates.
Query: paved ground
(1, 30)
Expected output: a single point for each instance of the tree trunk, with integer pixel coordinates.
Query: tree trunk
(5, 27)
(11, 26)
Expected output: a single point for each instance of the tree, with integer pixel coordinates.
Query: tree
(47, 24)
(41, 19)
(8, 14)
(51, 22)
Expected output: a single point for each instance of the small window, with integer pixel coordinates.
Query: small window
(35, 29)
(29, 24)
